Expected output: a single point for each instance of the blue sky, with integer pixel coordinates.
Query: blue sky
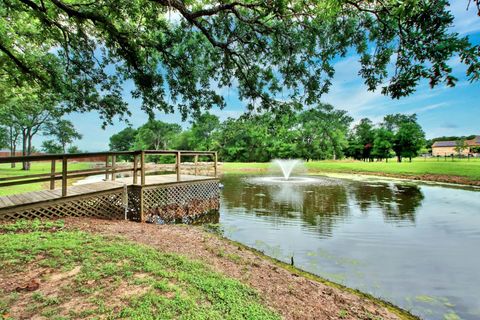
(441, 111)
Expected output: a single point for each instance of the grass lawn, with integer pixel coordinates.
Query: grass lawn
(419, 166)
(36, 168)
(61, 274)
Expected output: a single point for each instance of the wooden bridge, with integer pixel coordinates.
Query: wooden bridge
(126, 190)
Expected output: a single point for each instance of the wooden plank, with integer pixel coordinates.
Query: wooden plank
(64, 176)
(52, 171)
(114, 163)
(106, 166)
(215, 165)
(19, 199)
(5, 202)
(177, 167)
(142, 168)
(135, 169)
(196, 164)
(8, 202)
(47, 194)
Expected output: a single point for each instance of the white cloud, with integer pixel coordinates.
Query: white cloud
(465, 22)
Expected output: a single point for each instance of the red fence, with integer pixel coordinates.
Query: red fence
(4, 154)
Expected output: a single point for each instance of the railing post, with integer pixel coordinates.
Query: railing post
(135, 168)
(64, 176)
(142, 168)
(177, 166)
(215, 171)
(196, 163)
(106, 167)
(52, 172)
(114, 163)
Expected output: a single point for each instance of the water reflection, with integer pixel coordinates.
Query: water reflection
(398, 202)
(325, 204)
(413, 244)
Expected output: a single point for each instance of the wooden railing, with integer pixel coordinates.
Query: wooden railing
(111, 168)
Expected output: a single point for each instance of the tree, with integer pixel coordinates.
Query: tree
(247, 138)
(63, 131)
(383, 143)
(73, 149)
(123, 140)
(460, 146)
(408, 136)
(322, 132)
(203, 130)
(156, 135)
(52, 147)
(361, 140)
(263, 47)
(4, 138)
(28, 110)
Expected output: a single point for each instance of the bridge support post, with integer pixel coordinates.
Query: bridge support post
(52, 172)
(64, 176)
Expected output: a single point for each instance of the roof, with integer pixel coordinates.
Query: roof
(444, 144)
(474, 142)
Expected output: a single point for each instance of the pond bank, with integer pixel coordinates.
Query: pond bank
(288, 291)
(350, 168)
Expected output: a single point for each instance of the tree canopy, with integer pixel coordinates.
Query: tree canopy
(179, 53)
(64, 133)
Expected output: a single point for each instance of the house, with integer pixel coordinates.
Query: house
(446, 148)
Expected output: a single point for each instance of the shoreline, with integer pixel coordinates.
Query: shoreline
(292, 292)
(444, 179)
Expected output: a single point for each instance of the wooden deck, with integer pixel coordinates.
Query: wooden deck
(138, 197)
(89, 188)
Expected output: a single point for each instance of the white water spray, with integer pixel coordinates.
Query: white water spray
(287, 166)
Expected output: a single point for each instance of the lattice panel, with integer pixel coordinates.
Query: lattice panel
(109, 205)
(180, 201)
(161, 203)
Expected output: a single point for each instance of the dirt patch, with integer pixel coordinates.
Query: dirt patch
(54, 293)
(419, 177)
(292, 295)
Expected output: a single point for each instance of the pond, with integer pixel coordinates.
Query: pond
(413, 244)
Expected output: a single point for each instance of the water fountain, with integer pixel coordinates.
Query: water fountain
(286, 165)
(292, 172)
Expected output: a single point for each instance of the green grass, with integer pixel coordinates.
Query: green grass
(36, 168)
(164, 285)
(419, 166)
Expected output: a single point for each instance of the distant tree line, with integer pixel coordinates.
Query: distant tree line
(27, 112)
(398, 134)
(316, 133)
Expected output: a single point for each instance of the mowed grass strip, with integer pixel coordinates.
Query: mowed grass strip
(36, 168)
(84, 275)
(419, 166)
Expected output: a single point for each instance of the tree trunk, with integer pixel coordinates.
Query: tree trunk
(29, 146)
(13, 146)
(399, 158)
(24, 148)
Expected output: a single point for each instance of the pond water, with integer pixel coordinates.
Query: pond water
(415, 245)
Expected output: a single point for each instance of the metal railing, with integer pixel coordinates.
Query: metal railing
(111, 168)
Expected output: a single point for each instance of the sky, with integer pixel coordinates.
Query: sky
(441, 111)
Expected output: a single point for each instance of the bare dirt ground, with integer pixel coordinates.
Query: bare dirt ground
(443, 178)
(290, 294)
